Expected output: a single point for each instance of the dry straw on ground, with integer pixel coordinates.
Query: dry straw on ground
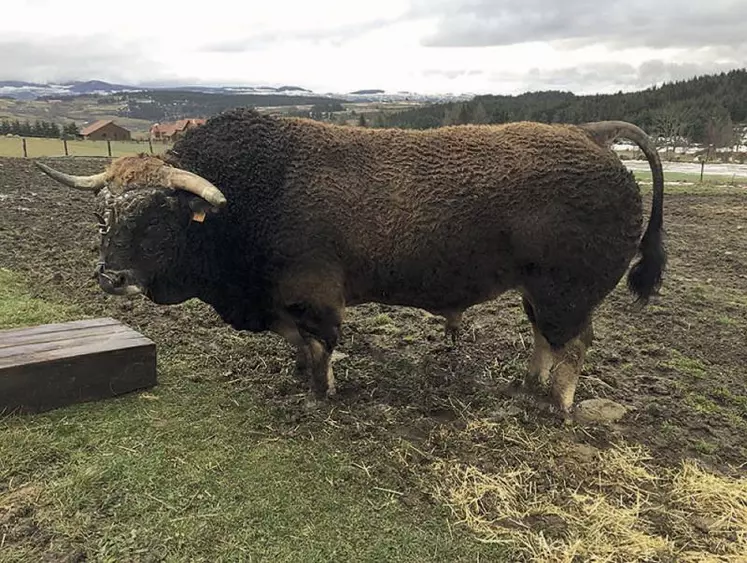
(579, 503)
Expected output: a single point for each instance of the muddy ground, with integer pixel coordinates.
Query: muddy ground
(678, 365)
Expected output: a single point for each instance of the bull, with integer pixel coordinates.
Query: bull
(280, 224)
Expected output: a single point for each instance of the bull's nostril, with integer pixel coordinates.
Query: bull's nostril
(114, 280)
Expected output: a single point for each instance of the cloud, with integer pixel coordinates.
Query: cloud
(332, 35)
(481, 46)
(639, 23)
(73, 58)
(609, 77)
(452, 74)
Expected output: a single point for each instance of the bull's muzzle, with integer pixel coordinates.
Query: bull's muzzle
(117, 282)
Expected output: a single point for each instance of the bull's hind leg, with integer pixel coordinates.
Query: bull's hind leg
(453, 325)
(542, 356)
(563, 332)
(568, 361)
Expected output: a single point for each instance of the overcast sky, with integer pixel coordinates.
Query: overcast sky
(480, 46)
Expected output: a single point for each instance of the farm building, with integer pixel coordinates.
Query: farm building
(173, 130)
(104, 130)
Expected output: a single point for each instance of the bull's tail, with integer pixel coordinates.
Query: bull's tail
(645, 277)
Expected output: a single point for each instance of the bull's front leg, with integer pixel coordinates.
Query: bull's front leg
(320, 328)
(312, 358)
(322, 377)
(286, 328)
(312, 301)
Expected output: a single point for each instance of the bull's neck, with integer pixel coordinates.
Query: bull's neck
(223, 276)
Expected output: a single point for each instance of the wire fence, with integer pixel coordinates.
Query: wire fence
(31, 147)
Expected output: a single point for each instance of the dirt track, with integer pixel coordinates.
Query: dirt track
(678, 365)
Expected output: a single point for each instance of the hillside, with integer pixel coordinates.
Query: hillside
(702, 109)
(138, 110)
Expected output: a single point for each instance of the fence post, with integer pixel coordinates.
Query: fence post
(25, 152)
(109, 146)
(64, 144)
(151, 146)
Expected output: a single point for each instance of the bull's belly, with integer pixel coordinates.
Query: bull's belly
(435, 289)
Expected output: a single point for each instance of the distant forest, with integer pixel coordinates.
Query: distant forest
(708, 109)
(165, 105)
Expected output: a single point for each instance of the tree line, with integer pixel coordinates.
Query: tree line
(159, 105)
(706, 109)
(46, 129)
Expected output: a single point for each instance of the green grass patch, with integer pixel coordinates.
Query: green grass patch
(702, 404)
(19, 308)
(688, 366)
(197, 471)
(714, 179)
(728, 321)
(738, 402)
(38, 147)
(382, 320)
(708, 448)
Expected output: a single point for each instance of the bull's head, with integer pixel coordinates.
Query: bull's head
(148, 207)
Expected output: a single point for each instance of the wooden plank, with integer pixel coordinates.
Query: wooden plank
(66, 345)
(47, 333)
(54, 365)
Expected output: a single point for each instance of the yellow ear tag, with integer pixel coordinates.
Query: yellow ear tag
(198, 216)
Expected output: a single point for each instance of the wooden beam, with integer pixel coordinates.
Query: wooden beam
(54, 365)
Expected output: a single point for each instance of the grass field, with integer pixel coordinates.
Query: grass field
(690, 178)
(188, 471)
(38, 147)
(427, 454)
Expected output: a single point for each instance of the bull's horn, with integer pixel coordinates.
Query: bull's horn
(189, 182)
(86, 183)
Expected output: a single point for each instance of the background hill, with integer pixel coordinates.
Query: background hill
(706, 109)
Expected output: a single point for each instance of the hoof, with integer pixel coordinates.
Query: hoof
(313, 402)
(537, 383)
(452, 336)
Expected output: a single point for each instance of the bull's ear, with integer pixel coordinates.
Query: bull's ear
(200, 208)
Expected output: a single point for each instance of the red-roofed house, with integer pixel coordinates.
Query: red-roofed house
(173, 130)
(103, 130)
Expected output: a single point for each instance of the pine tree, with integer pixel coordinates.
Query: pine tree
(480, 114)
(26, 129)
(70, 131)
(454, 115)
(37, 130)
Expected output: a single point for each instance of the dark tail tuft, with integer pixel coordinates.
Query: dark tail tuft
(645, 277)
